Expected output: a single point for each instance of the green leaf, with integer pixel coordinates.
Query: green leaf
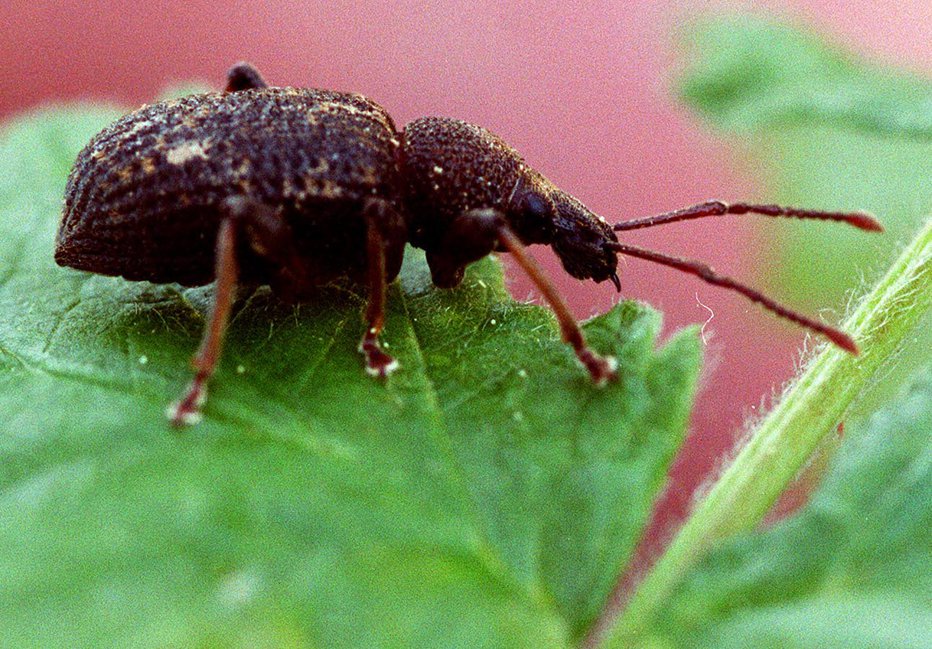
(487, 495)
(749, 73)
(853, 569)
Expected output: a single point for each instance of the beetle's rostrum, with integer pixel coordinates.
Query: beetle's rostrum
(296, 187)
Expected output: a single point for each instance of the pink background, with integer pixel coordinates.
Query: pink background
(582, 89)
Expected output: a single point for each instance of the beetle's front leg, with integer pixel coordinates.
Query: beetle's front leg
(378, 363)
(474, 235)
(601, 368)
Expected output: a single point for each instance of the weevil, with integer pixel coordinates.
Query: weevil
(295, 187)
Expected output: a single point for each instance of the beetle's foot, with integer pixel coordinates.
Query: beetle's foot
(187, 411)
(378, 363)
(602, 369)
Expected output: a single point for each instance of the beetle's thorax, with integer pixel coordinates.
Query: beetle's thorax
(450, 167)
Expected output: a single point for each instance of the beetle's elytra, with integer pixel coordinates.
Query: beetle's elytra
(294, 187)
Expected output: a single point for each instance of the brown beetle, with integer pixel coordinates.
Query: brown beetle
(294, 187)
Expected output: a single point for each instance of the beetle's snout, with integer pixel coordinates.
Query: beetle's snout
(579, 241)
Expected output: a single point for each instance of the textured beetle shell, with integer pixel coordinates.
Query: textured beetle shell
(143, 198)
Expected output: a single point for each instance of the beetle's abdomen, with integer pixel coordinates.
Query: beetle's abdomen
(143, 198)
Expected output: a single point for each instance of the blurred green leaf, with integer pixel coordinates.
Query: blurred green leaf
(830, 131)
(853, 569)
(751, 73)
(488, 495)
(781, 444)
(178, 90)
(826, 130)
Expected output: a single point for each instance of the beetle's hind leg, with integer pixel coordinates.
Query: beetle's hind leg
(257, 225)
(244, 76)
(378, 363)
(187, 411)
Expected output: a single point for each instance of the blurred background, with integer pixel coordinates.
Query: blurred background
(613, 101)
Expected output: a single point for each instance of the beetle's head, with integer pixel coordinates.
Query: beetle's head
(577, 235)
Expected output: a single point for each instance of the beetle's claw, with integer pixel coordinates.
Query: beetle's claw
(615, 281)
(187, 411)
(378, 363)
(380, 367)
(602, 369)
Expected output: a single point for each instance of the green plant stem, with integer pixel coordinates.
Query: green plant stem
(810, 408)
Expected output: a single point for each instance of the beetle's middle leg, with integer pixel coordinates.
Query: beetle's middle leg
(378, 363)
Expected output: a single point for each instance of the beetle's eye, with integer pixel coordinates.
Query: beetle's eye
(535, 206)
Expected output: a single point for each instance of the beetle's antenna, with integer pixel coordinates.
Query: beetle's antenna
(861, 220)
(706, 272)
